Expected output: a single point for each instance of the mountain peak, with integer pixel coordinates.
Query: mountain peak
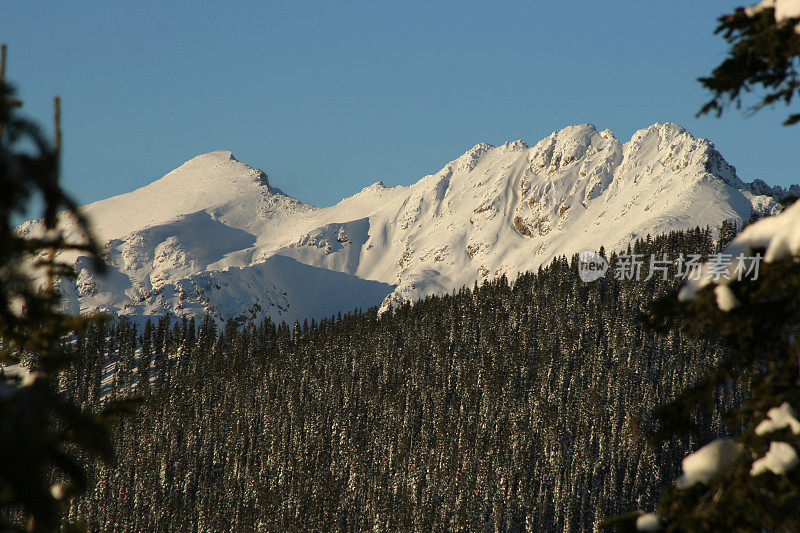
(519, 144)
(210, 159)
(479, 148)
(219, 167)
(662, 132)
(214, 182)
(222, 155)
(579, 130)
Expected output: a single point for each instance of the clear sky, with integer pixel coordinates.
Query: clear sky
(328, 97)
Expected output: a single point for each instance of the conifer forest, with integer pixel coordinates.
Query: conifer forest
(517, 405)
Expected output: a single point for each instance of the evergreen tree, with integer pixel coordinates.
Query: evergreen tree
(44, 439)
(764, 52)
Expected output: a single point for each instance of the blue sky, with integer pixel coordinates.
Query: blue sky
(330, 97)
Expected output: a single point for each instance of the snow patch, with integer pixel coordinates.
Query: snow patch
(777, 419)
(648, 522)
(726, 300)
(780, 458)
(708, 461)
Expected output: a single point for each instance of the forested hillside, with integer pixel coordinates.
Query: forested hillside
(510, 407)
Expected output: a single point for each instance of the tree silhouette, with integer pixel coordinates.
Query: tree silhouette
(764, 52)
(43, 437)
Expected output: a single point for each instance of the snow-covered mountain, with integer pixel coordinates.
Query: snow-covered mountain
(214, 237)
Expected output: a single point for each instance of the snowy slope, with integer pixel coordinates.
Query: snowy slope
(213, 236)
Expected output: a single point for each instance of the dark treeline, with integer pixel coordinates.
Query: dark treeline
(507, 407)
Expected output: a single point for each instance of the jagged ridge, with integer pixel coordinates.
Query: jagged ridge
(213, 237)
